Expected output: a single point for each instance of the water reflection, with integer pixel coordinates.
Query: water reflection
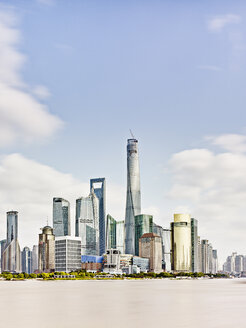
(169, 303)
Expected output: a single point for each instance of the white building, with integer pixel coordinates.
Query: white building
(67, 254)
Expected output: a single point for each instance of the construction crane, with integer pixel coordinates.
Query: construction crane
(132, 134)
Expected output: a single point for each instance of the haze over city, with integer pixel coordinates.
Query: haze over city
(76, 76)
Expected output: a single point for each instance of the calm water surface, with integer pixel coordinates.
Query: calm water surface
(162, 303)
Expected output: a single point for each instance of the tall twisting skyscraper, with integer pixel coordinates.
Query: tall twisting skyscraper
(133, 196)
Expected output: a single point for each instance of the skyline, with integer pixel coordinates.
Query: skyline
(179, 76)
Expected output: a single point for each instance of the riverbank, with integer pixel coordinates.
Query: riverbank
(83, 275)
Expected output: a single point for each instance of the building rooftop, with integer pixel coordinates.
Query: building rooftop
(149, 235)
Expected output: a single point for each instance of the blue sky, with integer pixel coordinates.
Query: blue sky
(172, 71)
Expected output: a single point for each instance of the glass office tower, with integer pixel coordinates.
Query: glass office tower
(143, 224)
(61, 217)
(12, 253)
(165, 235)
(133, 196)
(87, 224)
(98, 185)
(181, 243)
(115, 234)
(26, 257)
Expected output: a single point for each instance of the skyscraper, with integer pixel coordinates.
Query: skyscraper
(215, 262)
(67, 253)
(150, 246)
(115, 236)
(133, 196)
(194, 246)
(87, 224)
(143, 224)
(61, 217)
(2, 245)
(46, 250)
(98, 185)
(34, 258)
(165, 235)
(205, 255)
(12, 254)
(26, 257)
(181, 243)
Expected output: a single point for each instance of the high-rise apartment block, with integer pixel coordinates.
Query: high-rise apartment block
(12, 254)
(205, 255)
(150, 246)
(181, 243)
(133, 196)
(115, 234)
(98, 186)
(143, 224)
(194, 245)
(87, 224)
(46, 250)
(215, 262)
(67, 253)
(61, 217)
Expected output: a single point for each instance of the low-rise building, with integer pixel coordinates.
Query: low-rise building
(92, 263)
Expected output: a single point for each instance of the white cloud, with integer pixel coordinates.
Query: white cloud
(213, 187)
(218, 23)
(28, 187)
(235, 143)
(22, 117)
(41, 92)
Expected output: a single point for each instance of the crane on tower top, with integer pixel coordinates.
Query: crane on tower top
(132, 134)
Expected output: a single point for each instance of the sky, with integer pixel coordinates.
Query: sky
(76, 75)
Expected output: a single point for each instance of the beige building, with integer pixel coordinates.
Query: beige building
(150, 246)
(46, 250)
(181, 243)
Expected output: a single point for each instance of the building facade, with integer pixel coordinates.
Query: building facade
(67, 254)
(61, 217)
(143, 224)
(150, 246)
(99, 187)
(181, 243)
(112, 261)
(46, 250)
(133, 196)
(12, 254)
(87, 224)
(26, 259)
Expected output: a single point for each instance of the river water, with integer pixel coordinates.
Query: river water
(150, 303)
